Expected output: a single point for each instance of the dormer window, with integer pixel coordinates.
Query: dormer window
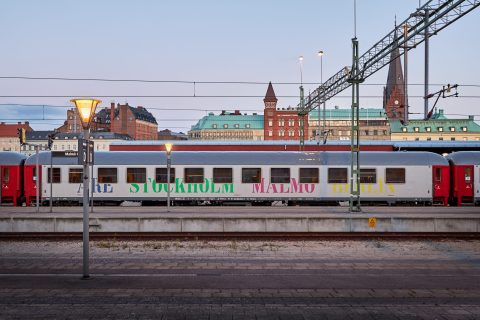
(416, 129)
(428, 129)
(452, 129)
(214, 126)
(247, 125)
(440, 129)
(225, 126)
(237, 125)
(404, 129)
(464, 129)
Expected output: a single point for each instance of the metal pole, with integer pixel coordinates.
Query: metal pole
(51, 184)
(168, 181)
(355, 80)
(86, 273)
(37, 182)
(427, 16)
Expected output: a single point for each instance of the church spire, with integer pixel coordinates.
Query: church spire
(270, 100)
(394, 92)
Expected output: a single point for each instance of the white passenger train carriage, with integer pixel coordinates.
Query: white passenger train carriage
(253, 177)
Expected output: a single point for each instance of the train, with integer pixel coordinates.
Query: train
(250, 178)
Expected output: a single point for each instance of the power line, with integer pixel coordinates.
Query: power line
(194, 82)
(197, 96)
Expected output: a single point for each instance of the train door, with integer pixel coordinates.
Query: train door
(464, 177)
(1, 184)
(441, 184)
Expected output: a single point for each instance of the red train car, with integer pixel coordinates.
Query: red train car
(11, 176)
(465, 172)
(30, 181)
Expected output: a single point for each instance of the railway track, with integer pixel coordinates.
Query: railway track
(65, 236)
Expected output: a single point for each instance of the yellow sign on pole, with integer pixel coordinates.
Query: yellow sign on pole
(372, 222)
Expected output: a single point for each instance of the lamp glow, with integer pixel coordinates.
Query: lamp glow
(168, 147)
(86, 109)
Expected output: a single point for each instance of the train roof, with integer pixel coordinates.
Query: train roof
(250, 158)
(465, 157)
(11, 158)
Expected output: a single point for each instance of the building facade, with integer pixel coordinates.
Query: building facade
(137, 122)
(374, 124)
(438, 127)
(9, 139)
(228, 126)
(282, 123)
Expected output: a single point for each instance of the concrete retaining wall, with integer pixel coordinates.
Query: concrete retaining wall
(241, 224)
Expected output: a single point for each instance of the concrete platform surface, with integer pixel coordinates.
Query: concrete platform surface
(243, 219)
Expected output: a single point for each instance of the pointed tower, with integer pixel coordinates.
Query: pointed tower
(270, 100)
(394, 92)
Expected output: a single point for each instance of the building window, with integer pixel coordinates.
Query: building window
(107, 175)
(429, 139)
(281, 122)
(440, 129)
(464, 129)
(75, 175)
(194, 175)
(375, 132)
(416, 129)
(56, 175)
(251, 175)
(225, 126)
(161, 175)
(247, 125)
(214, 126)
(308, 175)
(291, 122)
(270, 123)
(452, 129)
(136, 175)
(237, 125)
(337, 175)
(270, 133)
(404, 129)
(428, 129)
(440, 139)
(291, 133)
(280, 175)
(417, 139)
(395, 175)
(281, 133)
(222, 175)
(366, 132)
(452, 139)
(368, 176)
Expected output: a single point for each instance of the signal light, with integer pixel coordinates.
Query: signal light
(22, 136)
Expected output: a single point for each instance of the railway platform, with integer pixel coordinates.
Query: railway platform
(236, 220)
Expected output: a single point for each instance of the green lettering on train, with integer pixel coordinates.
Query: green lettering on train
(179, 186)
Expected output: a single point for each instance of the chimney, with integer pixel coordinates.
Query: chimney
(112, 114)
(27, 123)
(471, 117)
(237, 112)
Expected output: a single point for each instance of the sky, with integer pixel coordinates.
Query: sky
(212, 41)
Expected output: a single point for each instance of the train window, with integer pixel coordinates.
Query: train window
(136, 175)
(251, 175)
(161, 175)
(222, 175)
(107, 175)
(56, 175)
(280, 175)
(438, 174)
(395, 175)
(468, 174)
(337, 175)
(308, 175)
(75, 175)
(193, 175)
(368, 176)
(6, 175)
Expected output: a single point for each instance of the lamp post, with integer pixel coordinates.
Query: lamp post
(86, 110)
(320, 54)
(168, 149)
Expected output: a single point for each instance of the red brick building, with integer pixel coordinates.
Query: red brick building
(9, 139)
(137, 122)
(281, 123)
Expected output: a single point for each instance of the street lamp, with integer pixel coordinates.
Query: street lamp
(86, 109)
(320, 54)
(168, 149)
(300, 60)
